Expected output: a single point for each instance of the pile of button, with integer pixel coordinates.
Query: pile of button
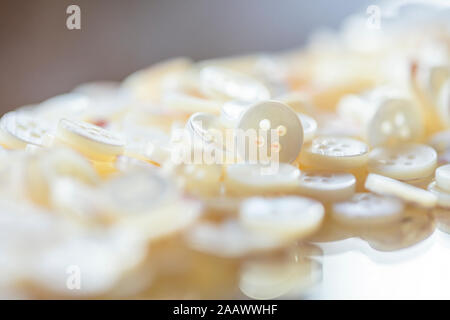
(94, 203)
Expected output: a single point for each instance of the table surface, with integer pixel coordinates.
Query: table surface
(353, 270)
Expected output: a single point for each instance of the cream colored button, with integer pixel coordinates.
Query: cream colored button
(228, 239)
(443, 177)
(334, 152)
(279, 278)
(365, 209)
(404, 162)
(309, 127)
(183, 102)
(147, 84)
(440, 141)
(266, 119)
(225, 84)
(146, 143)
(443, 197)
(18, 129)
(231, 111)
(443, 101)
(396, 121)
(69, 105)
(386, 116)
(206, 129)
(248, 179)
(285, 217)
(416, 225)
(94, 142)
(327, 186)
(200, 179)
(387, 186)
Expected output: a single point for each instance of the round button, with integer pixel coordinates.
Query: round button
(19, 129)
(443, 197)
(443, 177)
(93, 141)
(255, 179)
(395, 121)
(387, 186)
(279, 278)
(183, 102)
(285, 217)
(309, 127)
(440, 141)
(334, 152)
(226, 84)
(228, 239)
(367, 209)
(416, 225)
(443, 101)
(271, 119)
(231, 111)
(327, 186)
(206, 130)
(404, 162)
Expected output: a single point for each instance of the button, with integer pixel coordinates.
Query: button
(19, 129)
(405, 162)
(309, 127)
(443, 197)
(228, 239)
(226, 84)
(327, 186)
(94, 142)
(395, 121)
(366, 209)
(387, 186)
(443, 177)
(416, 225)
(266, 116)
(248, 179)
(284, 217)
(334, 152)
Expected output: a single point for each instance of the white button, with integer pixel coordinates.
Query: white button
(93, 141)
(273, 115)
(396, 121)
(231, 111)
(183, 102)
(387, 186)
(285, 217)
(327, 186)
(147, 84)
(416, 225)
(227, 239)
(404, 162)
(226, 84)
(334, 152)
(443, 196)
(298, 101)
(71, 105)
(200, 179)
(443, 102)
(251, 179)
(309, 127)
(440, 141)
(207, 130)
(19, 129)
(367, 209)
(443, 177)
(386, 116)
(279, 278)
